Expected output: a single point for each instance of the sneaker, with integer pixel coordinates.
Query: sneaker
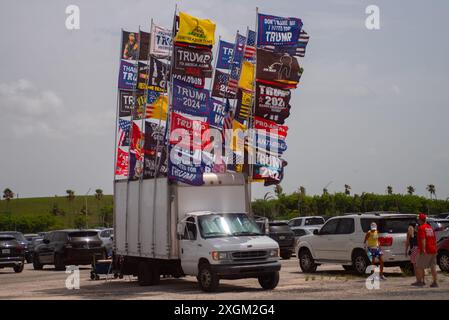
(417, 284)
(434, 285)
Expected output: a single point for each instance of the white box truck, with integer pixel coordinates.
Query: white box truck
(174, 229)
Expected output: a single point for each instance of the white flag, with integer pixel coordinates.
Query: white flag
(161, 41)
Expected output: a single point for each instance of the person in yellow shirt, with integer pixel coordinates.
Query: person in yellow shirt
(373, 248)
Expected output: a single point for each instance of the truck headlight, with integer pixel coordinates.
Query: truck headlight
(217, 255)
(274, 253)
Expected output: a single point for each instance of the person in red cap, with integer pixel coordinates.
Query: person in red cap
(427, 252)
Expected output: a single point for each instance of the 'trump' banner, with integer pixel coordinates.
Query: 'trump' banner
(194, 81)
(278, 31)
(127, 75)
(270, 127)
(217, 112)
(190, 100)
(272, 103)
(193, 128)
(221, 86)
(126, 103)
(225, 52)
(161, 41)
(193, 61)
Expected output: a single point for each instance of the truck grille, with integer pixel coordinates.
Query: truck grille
(249, 255)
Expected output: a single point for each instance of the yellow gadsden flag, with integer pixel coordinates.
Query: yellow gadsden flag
(158, 110)
(247, 76)
(196, 31)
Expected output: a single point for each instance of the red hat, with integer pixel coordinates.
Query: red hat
(422, 217)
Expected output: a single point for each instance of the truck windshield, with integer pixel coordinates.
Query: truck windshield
(227, 225)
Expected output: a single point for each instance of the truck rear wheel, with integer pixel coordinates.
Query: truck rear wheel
(269, 281)
(144, 274)
(207, 279)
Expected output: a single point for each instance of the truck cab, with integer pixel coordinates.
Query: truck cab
(215, 245)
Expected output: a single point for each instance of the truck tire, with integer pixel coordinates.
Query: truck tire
(269, 281)
(286, 255)
(144, 274)
(19, 268)
(360, 262)
(207, 279)
(36, 264)
(407, 269)
(443, 261)
(306, 261)
(59, 262)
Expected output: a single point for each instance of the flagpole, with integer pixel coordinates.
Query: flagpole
(130, 142)
(117, 116)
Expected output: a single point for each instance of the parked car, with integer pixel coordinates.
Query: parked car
(443, 255)
(106, 235)
(21, 239)
(340, 241)
(35, 241)
(284, 236)
(311, 221)
(441, 228)
(68, 247)
(12, 253)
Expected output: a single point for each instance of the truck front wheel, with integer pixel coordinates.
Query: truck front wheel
(207, 279)
(269, 281)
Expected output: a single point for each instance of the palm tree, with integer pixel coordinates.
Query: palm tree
(390, 190)
(302, 191)
(99, 196)
(70, 197)
(267, 196)
(325, 191)
(278, 190)
(410, 190)
(347, 189)
(8, 195)
(431, 189)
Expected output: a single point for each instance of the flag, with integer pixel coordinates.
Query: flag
(194, 30)
(158, 109)
(144, 45)
(244, 104)
(221, 87)
(272, 103)
(250, 47)
(269, 127)
(130, 45)
(161, 41)
(225, 52)
(277, 31)
(227, 121)
(137, 140)
(193, 61)
(217, 113)
(121, 166)
(189, 100)
(280, 69)
(123, 126)
(246, 81)
(127, 75)
(298, 49)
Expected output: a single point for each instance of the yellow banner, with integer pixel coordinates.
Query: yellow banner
(196, 31)
(247, 76)
(158, 110)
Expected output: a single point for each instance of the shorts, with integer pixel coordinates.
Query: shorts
(375, 252)
(426, 260)
(413, 254)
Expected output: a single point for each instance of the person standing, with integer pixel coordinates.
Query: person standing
(411, 245)
(374, 250)
(427, 252)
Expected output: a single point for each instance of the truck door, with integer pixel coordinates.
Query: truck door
(189, 247)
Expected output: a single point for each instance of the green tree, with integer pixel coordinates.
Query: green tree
(278, 190)
(106, 214)
(347, 189)
(325, 191)
(432, 190)
(8, 195)
(410, 190)
(390, 190)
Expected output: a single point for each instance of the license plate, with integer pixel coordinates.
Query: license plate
(6, 251)
(281, 237)
(86, 246)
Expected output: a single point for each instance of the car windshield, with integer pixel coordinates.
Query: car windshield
(314, 221)
(227, 225)
(17, 235)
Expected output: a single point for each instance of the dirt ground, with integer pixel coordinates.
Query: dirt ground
(329, 282)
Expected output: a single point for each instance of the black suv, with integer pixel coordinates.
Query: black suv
(68, 247)
(12, 253)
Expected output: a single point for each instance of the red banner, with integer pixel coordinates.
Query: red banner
(194, 129)
(121, 168)
(270, 126)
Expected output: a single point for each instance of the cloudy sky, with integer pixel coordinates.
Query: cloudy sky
(372, 109)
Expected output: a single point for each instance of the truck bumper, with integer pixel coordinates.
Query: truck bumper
(241, 271)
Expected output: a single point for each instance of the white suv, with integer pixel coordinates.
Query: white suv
(340, 241)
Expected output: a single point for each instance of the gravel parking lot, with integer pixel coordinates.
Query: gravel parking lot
(329, 282)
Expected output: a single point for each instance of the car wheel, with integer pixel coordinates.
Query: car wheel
(407, 269)
(348, 268)
(360, 262)
(19, 268)
(36, 264)
(144, 274)
(207, 279)
(443, 261)
(270, 281)
(59, 262)
(306, 261)
(286, 255)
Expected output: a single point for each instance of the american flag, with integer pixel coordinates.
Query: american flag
(250, 47)
(124, 126)
(227, 121)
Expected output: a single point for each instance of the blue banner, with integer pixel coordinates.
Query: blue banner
(225, 52)
(278, 31)
(189, 173)
(269, 143)
(237, 59)
(127, 75)
(217, 112)
(189, 100)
